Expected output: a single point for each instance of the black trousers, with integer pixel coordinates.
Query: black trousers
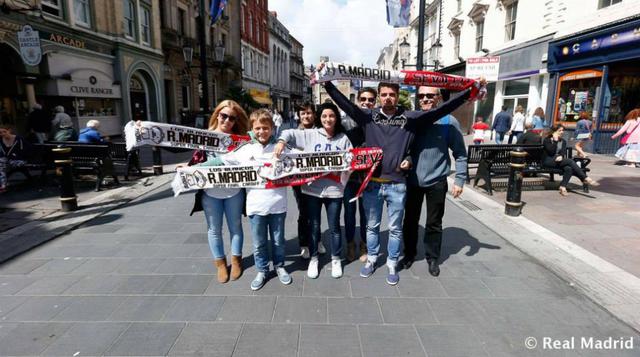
(569, 168)
(304, 225)
(435, 195)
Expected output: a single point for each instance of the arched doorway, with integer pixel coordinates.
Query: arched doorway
(10, 68)
(143, 98)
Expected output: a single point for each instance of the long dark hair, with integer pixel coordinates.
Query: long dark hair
(553, 129)
(338, 128)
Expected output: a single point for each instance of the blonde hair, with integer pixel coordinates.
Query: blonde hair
(93, 124)
(240, 126)
(519, 109)
(262, 116)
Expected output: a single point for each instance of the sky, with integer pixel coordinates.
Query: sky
(349, 31)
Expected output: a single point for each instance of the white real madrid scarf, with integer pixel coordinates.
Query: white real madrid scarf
(176, 136)
(291, 169)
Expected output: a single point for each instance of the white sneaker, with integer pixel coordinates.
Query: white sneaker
(305, 252)
(336, 268)
(321, 248)
(312, 270)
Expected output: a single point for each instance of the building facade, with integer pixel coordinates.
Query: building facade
(99, 59)
(279, 61)
(296, 74)
(254, 33)
(180, 44)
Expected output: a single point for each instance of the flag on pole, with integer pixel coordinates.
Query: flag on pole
(398, 12)
(217, 6)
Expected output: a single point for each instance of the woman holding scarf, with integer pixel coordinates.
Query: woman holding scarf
(227, 118)
(328, 136)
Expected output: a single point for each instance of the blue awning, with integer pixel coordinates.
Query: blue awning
(617, 43)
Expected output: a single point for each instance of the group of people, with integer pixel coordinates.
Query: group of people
(415, 165)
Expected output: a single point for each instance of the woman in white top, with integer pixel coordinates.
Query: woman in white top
(517, 124)
(329, 136)
(227, 118)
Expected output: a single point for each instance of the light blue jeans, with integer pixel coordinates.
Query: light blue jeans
(214, 209)
(374, 197)
(261, 228)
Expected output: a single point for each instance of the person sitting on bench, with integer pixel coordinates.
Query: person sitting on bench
(13, 153)
(553, 156)
(90, 134)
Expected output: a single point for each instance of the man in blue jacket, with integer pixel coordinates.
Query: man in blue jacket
(501, 124)
(427, 178)
(391, 128)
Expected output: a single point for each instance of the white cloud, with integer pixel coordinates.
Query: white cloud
(352, 31)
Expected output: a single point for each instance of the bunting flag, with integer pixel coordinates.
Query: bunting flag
(217, 7)
(332, 71)
(291, 169)
(176, 136)
(398, 12)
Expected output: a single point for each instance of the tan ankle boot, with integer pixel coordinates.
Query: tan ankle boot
(223, 274)
(236, 267)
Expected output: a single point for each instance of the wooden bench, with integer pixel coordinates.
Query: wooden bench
(92, 158)
(494, 161)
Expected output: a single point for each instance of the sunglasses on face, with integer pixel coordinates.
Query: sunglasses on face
(427, 95)
(225, 116)
(365, 99)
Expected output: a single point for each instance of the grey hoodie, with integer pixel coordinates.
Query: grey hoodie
(310, 140)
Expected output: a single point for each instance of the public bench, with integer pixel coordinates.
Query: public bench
(494, 161)
(87, 158)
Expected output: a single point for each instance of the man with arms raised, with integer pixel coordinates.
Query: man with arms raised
(390, 128)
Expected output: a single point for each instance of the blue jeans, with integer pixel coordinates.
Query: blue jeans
(499, 137)
(350, 213)
(375, 195)
(231, 207)
(261, 228)
(333, 207)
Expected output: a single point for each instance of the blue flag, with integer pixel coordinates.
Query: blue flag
(398, 12)
(217, 6)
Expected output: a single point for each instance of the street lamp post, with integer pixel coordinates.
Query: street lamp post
(203, 57)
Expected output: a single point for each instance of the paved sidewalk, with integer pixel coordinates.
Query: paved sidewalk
(605, 221)
(139, 280)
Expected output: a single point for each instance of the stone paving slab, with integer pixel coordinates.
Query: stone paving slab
(140, 299)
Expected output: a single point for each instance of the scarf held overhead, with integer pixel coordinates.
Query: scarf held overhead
(176, 136)
(291, 169)
(332, 71)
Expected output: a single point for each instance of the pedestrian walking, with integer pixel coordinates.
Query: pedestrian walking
(39, 123)
(539, 123)
(64, 130)
(582, 133)
(517, 124)
(501, 124)
(630, 150)
(479, 130)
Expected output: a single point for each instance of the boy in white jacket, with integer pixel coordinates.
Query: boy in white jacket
(266, 208)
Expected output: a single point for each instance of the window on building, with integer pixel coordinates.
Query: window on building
(250, 32)
(516, 87)
(52, 7)
(605, 3)
(129, 19)
(510, 21)
(185, 96)
(456, 45)
(82, 12)
(479, 34)
(182, 22)
(145, 25)
(459, 5)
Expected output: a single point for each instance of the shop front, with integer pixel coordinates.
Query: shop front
(597, 72)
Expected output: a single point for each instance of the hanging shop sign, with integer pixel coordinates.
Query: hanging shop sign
(487, 67)
(30, 50)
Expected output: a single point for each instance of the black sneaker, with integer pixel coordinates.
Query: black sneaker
(434, 269)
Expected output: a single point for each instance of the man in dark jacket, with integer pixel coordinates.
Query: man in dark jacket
(501, 124)
(39, 123)
(391, 128)
(529, 137)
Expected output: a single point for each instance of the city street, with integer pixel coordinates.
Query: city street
(139, 280)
